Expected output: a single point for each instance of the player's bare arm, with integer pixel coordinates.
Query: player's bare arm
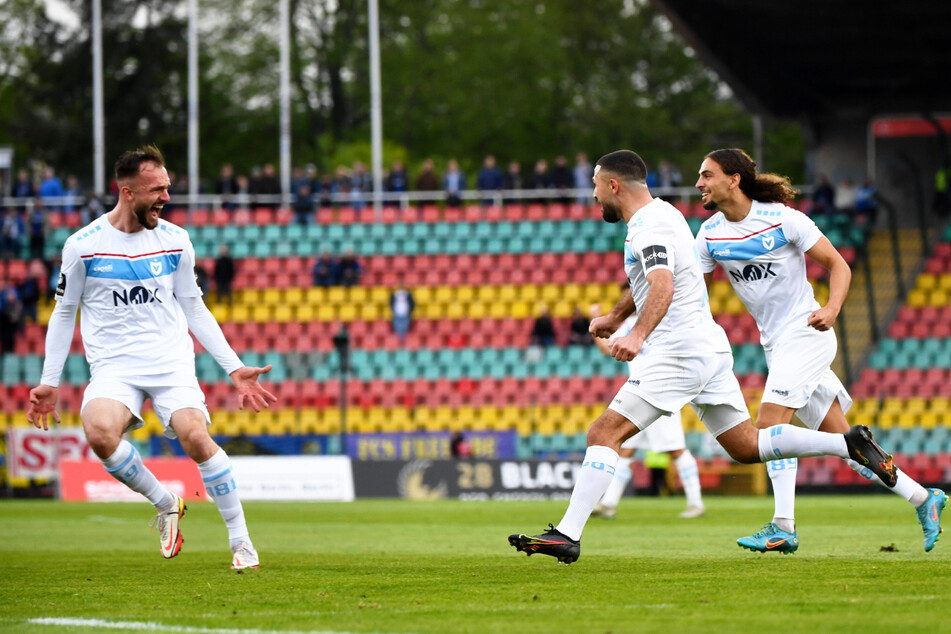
(840, 277)
(606, 325)
(250, 391)
(658, 300)
(708, 279)
(43, 406)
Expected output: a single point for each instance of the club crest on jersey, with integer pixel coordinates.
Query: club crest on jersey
(769, 242)
(156, 267)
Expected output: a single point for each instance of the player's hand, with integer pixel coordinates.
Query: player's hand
(249, 390)
(627, 347)
(603, 326)
(822, 319)
(43, 406)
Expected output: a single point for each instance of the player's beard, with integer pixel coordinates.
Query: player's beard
(610, 213)
(144, 214)
(709, 204)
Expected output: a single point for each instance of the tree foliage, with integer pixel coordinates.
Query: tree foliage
(520, 79)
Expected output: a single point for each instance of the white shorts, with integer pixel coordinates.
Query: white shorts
(664, 434)
(800, 376)
(665, 384)
(169, 393)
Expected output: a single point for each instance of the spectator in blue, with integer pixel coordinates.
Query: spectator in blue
(326, 271)
(12, 230)
(489, 178)
(561, 178)
(583, 173)
(304, 204)
(29, 292)
(227, 186)
(540, 178)
(350, 269)
(513, 181)
(51, 186)
(866, 204)
(823, 197)
(361, 184)
(401, 306)
(397, 181)
(39, 226)
(543, 330)
(454, 183)
(23, 187)
(74, 192)
(11, 316)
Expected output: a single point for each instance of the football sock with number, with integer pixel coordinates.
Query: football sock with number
(622, 476)
(689, 477)
(126, 466)
(906, 487)
(595, 475)
(789, 441)
(218, 477)
(782, 475)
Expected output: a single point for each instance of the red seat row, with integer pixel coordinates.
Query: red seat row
(906, 383)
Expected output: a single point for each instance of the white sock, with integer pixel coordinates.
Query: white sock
(218, 476)
(125, 465)
(595, 475)
(789, 441)
(906, 487)
(622, 476)
(782, 475)
(690, 478)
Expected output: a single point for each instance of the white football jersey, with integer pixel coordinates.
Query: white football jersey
(659, 237)
(126, 285)
(763, 259)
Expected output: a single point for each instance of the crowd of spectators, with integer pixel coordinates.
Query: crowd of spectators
(24, 227)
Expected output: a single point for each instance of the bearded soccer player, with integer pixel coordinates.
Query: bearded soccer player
(679, 355)
(132, 274)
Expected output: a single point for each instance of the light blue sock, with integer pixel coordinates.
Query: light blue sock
(218, 476)
(126, 466)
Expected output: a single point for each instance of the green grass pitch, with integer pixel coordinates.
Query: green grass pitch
(399, 566)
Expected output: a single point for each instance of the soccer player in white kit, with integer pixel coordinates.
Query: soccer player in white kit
(760, 242)
(680, 355)
(132, 274)
(665, 435)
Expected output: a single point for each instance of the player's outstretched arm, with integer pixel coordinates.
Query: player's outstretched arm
(245, 379)
(43, 406)
(840, 278)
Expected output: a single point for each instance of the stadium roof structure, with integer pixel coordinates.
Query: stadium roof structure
(821, 59)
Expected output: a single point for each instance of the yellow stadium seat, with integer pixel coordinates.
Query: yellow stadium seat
(550, 293)
(262, 313)
(487, 293)
(926, 282)
(371, 312)
(571, 293)
(445, 294)
(465, 293)
(326, 312)
(734, 306)
(347, 312)
(221, 312)
(938, 297)
(529, 293)
(358, 294)
(336, 295)
(315, 295)
(478, 310)
(272, 296)
(507, 293)
(917, 298)
(944, 282)
(304, 312)
(293, 296)
(521, 309)
(498, 310)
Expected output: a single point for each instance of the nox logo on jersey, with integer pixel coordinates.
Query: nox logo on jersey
(124, 284)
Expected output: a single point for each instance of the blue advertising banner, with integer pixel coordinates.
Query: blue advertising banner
(485, 445)
(260, 445)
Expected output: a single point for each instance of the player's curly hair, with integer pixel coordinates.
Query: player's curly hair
(766, 188)
(129, 163)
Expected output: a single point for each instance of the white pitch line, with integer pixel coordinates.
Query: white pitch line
(161, 627)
